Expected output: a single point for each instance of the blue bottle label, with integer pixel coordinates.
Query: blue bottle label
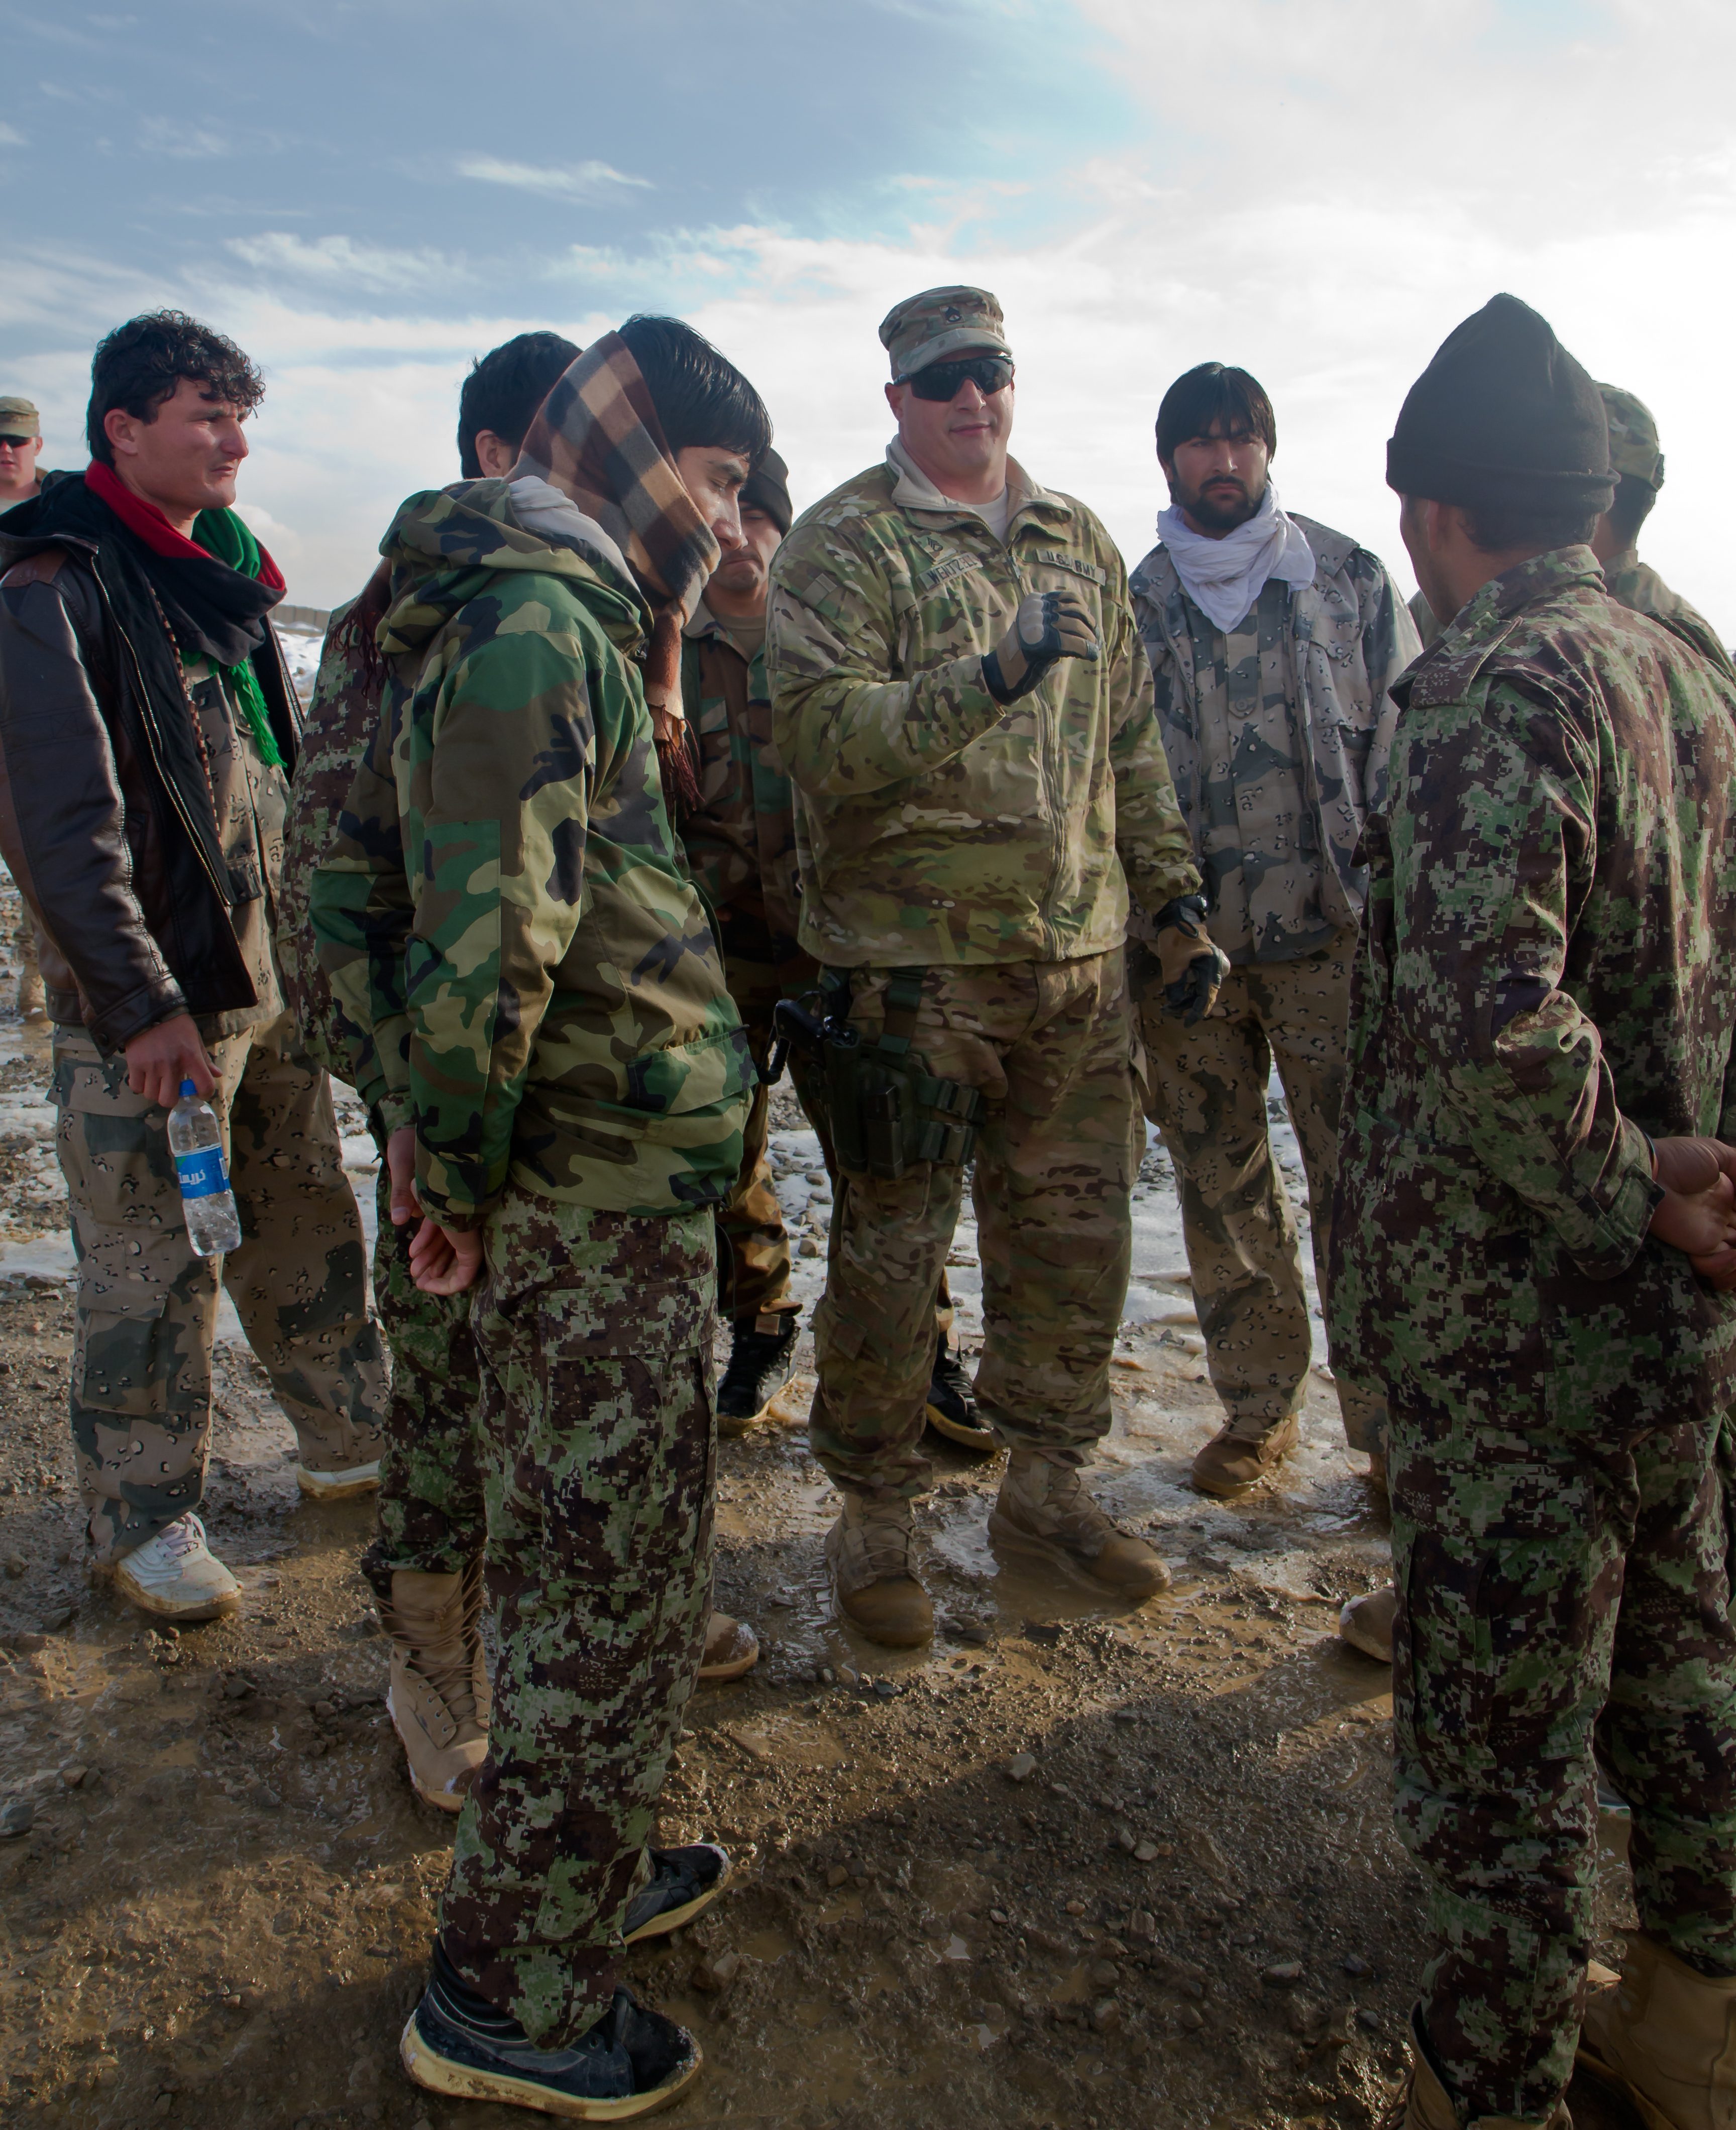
(203, 1174)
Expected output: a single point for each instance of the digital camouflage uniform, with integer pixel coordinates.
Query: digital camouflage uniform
(140, 1397)
(1548, 978)
(542, 997)
(985, 845)
(1276, 731)
(431, 1515)
(740, 847)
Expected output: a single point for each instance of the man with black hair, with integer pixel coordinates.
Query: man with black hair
(1534, 1247)
(147, 730)
(960, 697)
(1274, 640)
(500, 397)
(1637, 460)
(527, 984)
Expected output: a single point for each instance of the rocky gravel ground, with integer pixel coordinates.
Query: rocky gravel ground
(1074, 1866)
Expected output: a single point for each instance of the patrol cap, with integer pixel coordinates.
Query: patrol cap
(19, 418)
(767, 488)
(1634, 447)
(939, 322)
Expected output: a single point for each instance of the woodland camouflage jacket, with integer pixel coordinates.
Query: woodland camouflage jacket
(936, 824)
(503, 916)
(1547, 977)
(1345, 639)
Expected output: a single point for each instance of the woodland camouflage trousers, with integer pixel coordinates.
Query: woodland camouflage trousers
(1207, 1093)
(595, 1331)
(1050, 1044)
(432, 1518)
(140, 1397)
(1557, 1590)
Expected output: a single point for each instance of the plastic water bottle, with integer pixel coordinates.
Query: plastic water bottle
(196, 1141)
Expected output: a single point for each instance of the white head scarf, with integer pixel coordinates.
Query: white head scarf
(1224, 577)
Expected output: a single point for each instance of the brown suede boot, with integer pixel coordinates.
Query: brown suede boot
(1044, 1512)
(732, 1650)
(1366, 1623)
(438, 1693)
(1426, 2104)
(1665, 2035)
(868, 1552)
(1230, 1464)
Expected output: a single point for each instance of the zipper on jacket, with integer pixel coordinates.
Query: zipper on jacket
(148, 717)
(1048, 775)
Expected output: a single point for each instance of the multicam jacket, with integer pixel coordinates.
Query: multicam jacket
(741, 845)
(1548, 976)
(936, 824)
(1315, 666)
(502, 911)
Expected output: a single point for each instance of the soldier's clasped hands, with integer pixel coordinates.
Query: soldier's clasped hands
(1048, 627)
(1698, 1212)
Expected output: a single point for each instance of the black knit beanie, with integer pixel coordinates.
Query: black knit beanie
(1503, 416)
(767, 488)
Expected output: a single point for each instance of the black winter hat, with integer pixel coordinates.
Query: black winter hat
(1503, 415)
(767, 488)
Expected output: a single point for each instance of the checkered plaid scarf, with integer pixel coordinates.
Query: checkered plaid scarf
(597, 438)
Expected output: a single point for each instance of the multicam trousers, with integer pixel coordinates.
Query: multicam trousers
(1557, 1589)
(147, 1305)
(594, 1330)
(431, 1516)
(1050, 1044)
(1207, 1093)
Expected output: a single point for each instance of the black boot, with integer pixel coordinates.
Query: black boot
(952, 1402)
(632, 2062)
(761, 1362)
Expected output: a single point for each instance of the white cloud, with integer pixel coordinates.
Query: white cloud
(589, 181)
(11, 137)
(168, 136)
(342, 263)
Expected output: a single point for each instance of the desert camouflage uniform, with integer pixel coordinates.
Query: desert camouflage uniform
(536, 987)
(1548, 977)
(740, 847)
(986, 845)
(431, 1514)
(1277, 731)
(140, 1395)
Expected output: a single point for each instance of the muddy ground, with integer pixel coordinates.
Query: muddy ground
(1075, 1865)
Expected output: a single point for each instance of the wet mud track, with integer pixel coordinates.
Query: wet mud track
(1073, 1865)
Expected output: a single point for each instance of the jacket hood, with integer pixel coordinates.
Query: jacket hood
(445, 544)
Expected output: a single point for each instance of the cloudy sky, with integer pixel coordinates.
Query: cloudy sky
(368, 195)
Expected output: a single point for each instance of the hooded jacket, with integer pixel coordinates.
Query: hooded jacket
(522, 968)
(108, 822)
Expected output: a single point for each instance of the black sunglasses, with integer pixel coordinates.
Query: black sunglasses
(17, 443)
(940, 380)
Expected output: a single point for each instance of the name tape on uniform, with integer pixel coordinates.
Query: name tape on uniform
(1092, 572)
(955, 565)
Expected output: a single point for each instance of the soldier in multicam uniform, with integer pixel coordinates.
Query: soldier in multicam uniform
(147, 729)
(1274, 642)
(1529, 1246)
(1637, 460)
(425, 1563)
(963, 705)
(535, 992)
(741, 845)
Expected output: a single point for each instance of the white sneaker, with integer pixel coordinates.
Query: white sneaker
(338, 1486)
(177, 1576)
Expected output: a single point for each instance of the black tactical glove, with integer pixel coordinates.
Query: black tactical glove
(1049, 626)
(1192, 967)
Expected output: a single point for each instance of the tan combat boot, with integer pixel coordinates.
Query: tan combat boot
(32, 999)
(868, 1552)
(1366, 1623)
(1665, 2035)
(439, 1694)
(1043, 1510)
(1230, 1463)
(1425, 2105)
(732, 1650)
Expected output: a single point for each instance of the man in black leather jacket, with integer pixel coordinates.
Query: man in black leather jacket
(148, 728)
